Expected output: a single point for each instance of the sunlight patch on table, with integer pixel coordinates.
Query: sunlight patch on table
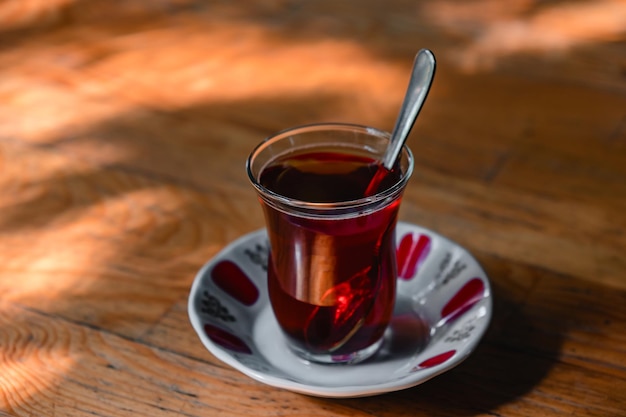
(495, 30)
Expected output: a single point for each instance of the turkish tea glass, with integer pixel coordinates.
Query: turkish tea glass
(332, 264)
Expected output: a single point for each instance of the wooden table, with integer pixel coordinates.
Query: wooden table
(124, 127)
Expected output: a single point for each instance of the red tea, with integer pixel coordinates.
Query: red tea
(331, 280)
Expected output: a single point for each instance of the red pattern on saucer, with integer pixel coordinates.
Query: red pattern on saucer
(411, 253)
(234, 282)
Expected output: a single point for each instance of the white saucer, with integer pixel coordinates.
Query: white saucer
(443, 308)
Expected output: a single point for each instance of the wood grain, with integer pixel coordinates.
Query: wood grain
(124, 130)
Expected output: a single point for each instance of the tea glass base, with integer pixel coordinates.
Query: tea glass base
(346, 359)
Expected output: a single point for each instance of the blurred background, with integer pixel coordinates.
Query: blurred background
(130, 78)
(527, 92)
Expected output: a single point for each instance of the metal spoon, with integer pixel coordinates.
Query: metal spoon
(419, 85)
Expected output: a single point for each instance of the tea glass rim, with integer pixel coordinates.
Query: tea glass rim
(316, 207)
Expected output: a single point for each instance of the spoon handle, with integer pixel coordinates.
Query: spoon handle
(419, 84)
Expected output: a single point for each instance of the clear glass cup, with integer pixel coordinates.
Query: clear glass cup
(332, 265)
